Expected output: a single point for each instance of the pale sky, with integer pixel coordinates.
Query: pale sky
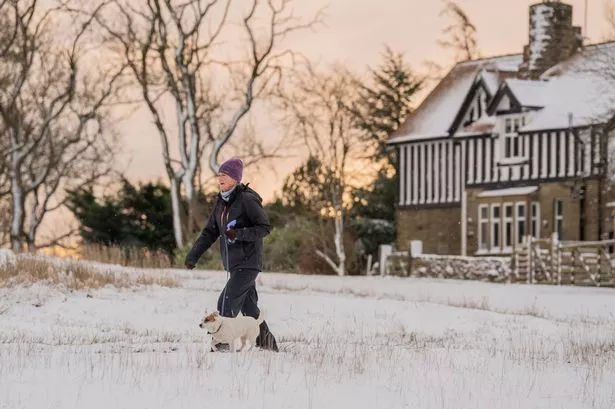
(356, 33)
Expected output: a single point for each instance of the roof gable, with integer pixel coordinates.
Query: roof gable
(505, 100)
(436, 114)
(479, 84)
(514, 95)
(582, 87)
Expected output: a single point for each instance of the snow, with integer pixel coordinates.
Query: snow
(6, 257)
(528, 93)
(583, 86)
(539, 25)
(492, 80)
(435, 115)
(511, 191)
(360, 342)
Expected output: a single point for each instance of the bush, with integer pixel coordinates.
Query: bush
(210, 260)
(284, 245)
(292, 248)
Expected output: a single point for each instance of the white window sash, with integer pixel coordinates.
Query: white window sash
(495, 221)
(481, 222)
(535, 218)
(520, 219)
(508, 221)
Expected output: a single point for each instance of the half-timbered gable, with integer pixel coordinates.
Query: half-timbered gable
(494, 153)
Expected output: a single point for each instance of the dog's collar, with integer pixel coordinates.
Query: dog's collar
(219, 326)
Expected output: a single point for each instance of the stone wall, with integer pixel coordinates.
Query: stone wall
(492, 269)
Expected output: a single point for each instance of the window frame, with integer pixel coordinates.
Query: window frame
(519, 220)
(535, 219)
(495, 247)
(512, 142)
(481, 221)
(508, 222)
(558, 219)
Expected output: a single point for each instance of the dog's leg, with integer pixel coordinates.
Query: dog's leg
(213, 345)
(246, 343)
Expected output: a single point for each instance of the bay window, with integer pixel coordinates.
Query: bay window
(502, 226)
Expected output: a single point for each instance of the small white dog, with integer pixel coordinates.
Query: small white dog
(225, 330)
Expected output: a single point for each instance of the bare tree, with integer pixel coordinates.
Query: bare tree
(318, 112)
(174, 51)
(52, 114)
(461, 33)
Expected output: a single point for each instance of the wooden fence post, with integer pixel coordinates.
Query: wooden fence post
(530, 260)
(555, 262)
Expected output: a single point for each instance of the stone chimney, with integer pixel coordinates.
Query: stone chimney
(552, 38)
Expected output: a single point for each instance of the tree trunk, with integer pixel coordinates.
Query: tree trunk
(339, 243)
(17, 204)
(175, 206)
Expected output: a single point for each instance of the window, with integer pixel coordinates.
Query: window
(495, 226)
(513, 147)
(483, 227)
(508, 225)
(521, 229)
(536, 220)
(558, 222)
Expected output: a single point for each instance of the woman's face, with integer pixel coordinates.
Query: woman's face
(225, 182)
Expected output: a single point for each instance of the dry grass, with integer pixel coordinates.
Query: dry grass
(28, 269)
(125, 256)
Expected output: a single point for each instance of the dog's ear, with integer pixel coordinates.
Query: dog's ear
(216, 314)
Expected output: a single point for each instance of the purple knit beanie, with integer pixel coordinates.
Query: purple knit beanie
(232, 168)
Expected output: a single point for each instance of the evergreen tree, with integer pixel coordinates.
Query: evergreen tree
(101, 223)
(305, 190)
(138, 216)
(386, 102)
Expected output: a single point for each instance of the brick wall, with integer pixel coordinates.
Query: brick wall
(438, 228)
(592, 214)
(551, 192)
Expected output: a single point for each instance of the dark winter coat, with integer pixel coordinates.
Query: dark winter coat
(252, 224)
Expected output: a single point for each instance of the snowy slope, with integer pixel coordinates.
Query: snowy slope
(354, 342)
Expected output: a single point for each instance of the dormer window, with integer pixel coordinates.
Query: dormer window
(512, 142)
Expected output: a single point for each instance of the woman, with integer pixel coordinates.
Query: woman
(239, 219)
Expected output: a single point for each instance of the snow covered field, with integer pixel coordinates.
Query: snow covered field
(355, 342)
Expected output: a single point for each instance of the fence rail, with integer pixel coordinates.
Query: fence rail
(549, 261)
(535, 261)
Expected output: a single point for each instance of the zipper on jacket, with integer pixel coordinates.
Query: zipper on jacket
(222, 221)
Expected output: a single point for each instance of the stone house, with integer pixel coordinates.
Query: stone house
(510, 146)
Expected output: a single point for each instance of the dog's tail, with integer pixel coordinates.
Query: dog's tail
(261, 318)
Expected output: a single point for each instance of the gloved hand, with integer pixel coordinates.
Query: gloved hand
(190, 266)
(230, 234)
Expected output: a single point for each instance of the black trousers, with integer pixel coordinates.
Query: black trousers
(241, 295)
